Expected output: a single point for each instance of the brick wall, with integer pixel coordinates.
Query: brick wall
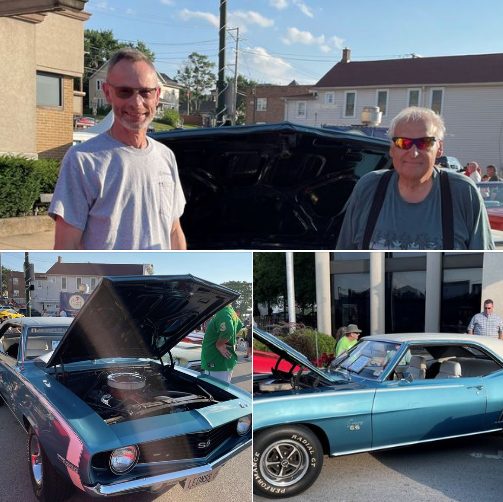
(55, 125)
(275, 111)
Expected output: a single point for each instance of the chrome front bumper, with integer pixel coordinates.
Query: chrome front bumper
(162, 479)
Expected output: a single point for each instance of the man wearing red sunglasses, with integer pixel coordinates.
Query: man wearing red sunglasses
(120, 189)
(416, 205)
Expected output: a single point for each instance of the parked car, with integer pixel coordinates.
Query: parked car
(492, 193)
(274, 186)
(104, 406)
(450, 163)
(33, 312)
(187, 355)
(83, 122)
(9, 313)
(386, 391)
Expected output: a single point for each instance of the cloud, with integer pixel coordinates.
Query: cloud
(326, 45)
(264, 67)
(167, 2)
(103, 5)
(130, 12)
(244, 19)
(279, 4)
(307, 11)
(187, 15)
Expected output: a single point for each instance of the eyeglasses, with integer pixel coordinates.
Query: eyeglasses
(123, 92)
(421, 143)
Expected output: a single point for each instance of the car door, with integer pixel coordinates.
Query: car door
(421, 410)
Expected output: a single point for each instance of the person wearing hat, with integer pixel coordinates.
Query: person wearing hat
(348, 340)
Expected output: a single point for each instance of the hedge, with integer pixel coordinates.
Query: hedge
(21, 183)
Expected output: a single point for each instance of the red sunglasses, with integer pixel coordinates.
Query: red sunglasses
(421, 143)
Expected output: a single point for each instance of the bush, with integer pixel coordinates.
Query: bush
(304, 341)
(47, 170)
(21, 182)
(170, 117)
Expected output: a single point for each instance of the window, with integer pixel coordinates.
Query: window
(329, 98)
(49, 89)
(350, 102)
(414, 97)
(93, 282)
(79, 282)
(436, 100)
(16, 292)
(261, 104)
(301, 109)
(98, 84)
(382, 101)
(63, 283)
(15, 281)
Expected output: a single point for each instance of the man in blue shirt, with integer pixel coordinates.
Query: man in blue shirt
(486, 323)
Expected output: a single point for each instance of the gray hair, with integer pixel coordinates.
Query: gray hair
(435, 123)
(129, 54)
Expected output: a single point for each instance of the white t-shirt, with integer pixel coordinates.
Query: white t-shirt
(121, 197)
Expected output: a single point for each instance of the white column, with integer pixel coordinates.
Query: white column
(290, 287)
(377, 293)
(433, 292)
(323, 304)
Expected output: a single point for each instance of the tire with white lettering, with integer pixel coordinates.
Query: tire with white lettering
(286, 461)
(48, 485)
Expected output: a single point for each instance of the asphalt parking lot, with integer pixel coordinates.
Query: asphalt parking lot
(232, 484)
(460, 470)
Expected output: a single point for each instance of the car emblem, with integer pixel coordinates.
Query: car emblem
(204, 444)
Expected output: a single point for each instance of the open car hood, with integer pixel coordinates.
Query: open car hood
(139, 316)
(284, 351)
(271, 186)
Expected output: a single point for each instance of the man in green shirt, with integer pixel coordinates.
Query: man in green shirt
(348, 340)
(218, 354)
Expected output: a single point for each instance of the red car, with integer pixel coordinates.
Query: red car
(264, 362)
(492, 193)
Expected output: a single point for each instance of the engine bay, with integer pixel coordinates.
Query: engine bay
(128, 393)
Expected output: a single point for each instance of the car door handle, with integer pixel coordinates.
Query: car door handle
(478, 387)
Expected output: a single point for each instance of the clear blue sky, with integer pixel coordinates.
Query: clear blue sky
(215, 267)
(282, 40)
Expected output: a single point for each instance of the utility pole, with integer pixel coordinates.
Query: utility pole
(29, 277)
(221, 65)
(235, 84)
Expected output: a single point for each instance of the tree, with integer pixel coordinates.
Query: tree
(269, 279)
(197, 79)
(5, 281)
(99, 45)
(244, 303)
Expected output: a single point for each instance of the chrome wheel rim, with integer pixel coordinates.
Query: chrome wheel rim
(36, 460)
(284, 463)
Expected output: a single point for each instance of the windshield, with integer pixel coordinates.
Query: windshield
(43, 340)
(367, 359)
(492, 193)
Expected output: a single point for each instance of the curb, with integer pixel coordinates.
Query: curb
(25, 225)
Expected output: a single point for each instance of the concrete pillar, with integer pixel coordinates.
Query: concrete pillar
(492, 280)
(433, 292)
(377, 293)
(323, 303)
(290, 287)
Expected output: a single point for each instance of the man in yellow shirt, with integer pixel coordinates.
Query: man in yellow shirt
(348, 340)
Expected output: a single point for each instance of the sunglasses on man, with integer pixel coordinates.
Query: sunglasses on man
(421, 143)
(124, 92)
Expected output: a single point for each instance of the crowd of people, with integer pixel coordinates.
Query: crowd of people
(474, 171)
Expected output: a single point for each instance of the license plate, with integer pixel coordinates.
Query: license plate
(194, 481)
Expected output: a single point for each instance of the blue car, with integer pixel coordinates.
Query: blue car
(386, 391)
(103, 404)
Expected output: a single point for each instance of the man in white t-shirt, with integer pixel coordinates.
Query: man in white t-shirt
(121, 190)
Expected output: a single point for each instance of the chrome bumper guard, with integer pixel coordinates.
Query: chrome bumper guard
(161, 479)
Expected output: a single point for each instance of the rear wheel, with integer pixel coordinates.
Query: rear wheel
(47, 483)
(286, 461)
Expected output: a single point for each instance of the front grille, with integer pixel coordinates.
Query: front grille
(197, 445)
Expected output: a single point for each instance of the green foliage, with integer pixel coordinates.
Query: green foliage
(47, 171)
(21, 182)
(244, 303)
(19, 186)
(197, 79)
(304, 341)
(170, 117)
(5, 281)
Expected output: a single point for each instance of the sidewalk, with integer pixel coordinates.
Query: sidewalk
(28, 232)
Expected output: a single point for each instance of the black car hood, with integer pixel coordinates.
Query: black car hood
(285, 351)
(139, 316)
(273, 186)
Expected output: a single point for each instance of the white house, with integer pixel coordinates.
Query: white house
(466, 90)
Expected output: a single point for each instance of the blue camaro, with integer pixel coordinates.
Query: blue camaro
(386, 391)
(103, 404)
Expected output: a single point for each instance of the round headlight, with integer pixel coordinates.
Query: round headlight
(243, 425)
(123, 459)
